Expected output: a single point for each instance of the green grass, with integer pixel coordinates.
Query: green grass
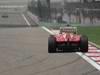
(92, 32)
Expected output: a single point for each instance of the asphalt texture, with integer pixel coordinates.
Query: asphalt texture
(12, 20)
(24, 51)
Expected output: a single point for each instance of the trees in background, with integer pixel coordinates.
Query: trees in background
(83, 9)
(41, 8)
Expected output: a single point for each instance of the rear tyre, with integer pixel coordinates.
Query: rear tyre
(84, 44)
(51, 44)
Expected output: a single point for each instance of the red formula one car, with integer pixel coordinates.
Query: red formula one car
(67, 40)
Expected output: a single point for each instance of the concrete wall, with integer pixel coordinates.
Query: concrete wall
(13, 3)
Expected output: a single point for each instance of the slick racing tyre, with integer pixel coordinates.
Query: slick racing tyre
(51, 44)
(84, 44)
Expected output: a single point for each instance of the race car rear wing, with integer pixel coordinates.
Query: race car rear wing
(68, 30)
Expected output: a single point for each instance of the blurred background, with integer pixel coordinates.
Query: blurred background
(66, 11)
(13, 5)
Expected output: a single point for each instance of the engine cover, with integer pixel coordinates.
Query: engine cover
(67, 37)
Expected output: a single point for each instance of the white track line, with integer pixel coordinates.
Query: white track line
(93, 63)
(94, 44)
(46, 29)
(28, 23)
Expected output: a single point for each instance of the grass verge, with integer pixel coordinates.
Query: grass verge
(93, 33)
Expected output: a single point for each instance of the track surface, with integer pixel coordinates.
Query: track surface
(14, 19)
(23, 51)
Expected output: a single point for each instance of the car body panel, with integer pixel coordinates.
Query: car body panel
(67, 37)
(68, 40)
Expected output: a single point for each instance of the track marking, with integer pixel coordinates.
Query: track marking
(93, 63)
(93, 48)
(94, 44)
(96, 58)
(46, 29)
(28, 23)
(85, 56)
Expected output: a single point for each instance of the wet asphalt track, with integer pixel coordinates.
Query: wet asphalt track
(23, 51)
